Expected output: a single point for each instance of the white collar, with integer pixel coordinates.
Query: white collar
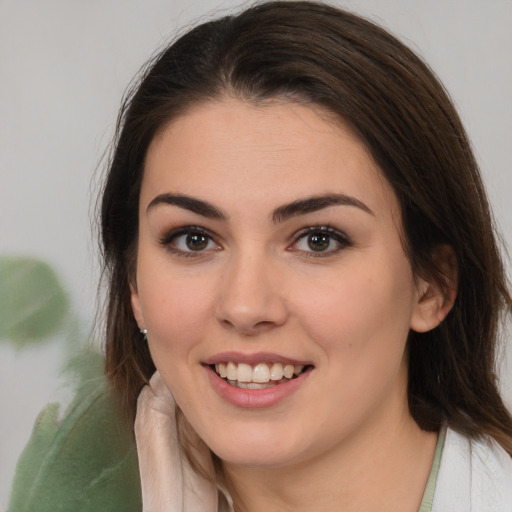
(474, 476)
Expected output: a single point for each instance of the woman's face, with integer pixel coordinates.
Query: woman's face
(269, 242)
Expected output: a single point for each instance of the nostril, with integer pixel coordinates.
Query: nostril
(263, 323)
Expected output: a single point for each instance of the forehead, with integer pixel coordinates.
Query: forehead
(275, 152)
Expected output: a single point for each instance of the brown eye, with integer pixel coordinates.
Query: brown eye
(196, 241)
(319, 241)
(189, 241)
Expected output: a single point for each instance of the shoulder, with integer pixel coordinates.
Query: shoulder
(475, 475)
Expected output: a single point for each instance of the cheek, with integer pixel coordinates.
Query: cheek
(361, 323)
(362, 308)
(177, 310)
(176, 323)
(176, 318)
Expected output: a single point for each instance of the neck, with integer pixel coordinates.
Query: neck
(384, 468)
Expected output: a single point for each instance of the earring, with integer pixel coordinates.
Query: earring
(144, 333)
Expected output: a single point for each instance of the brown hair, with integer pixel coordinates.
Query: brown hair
(317, 54)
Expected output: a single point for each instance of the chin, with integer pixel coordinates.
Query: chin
(255, 450)
(255, 457)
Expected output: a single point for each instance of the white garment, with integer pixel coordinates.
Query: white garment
(474, 476)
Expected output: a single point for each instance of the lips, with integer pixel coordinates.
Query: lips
(257, 380)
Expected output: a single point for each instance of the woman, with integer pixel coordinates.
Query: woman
(294, 221)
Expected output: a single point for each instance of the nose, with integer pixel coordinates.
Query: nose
(251, 298)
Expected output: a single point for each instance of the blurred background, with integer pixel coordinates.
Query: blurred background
(64, 65)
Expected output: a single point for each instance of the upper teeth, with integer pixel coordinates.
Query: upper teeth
(261, 373)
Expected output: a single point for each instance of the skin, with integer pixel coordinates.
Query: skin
(344, 440)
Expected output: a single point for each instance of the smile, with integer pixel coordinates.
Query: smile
(258, 380)
(259, 376)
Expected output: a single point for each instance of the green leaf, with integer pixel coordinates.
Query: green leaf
(85, 461)
(33, 303)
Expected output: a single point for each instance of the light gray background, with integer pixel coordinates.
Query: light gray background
(64, 65)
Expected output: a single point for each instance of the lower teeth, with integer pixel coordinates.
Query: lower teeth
(255, 385)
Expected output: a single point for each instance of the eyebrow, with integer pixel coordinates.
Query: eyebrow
(280, 214)
(188, 203)
(315, 203)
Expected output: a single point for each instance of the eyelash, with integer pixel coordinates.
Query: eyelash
(342, 241)
(169, 240)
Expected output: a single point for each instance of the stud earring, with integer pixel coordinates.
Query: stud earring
(144, 333)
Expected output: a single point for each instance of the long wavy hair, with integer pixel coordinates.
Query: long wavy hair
(316, 54)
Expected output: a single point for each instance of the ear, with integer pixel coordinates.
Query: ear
(136, 307)
(436, 295)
